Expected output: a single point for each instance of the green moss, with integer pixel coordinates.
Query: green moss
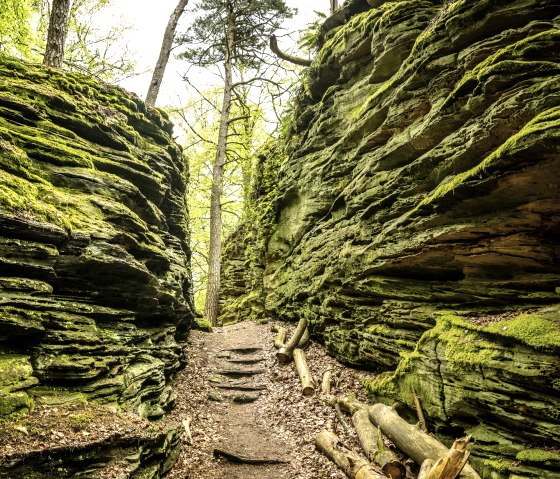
(80, 420)
(545, 124)
(541, 456)
(498, 465)
(202, 324)
(14, 405)
(540, 331)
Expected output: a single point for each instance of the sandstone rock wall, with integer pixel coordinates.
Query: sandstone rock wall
(94, 255)
(417, 221)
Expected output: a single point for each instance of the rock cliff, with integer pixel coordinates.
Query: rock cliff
(94, 255)
(415, 219)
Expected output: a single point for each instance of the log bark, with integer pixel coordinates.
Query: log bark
(280, 338)
(326, 383)
(367, 433)
(285, 354)
(165, 51)
(388, 460)
(350, 404)
(307, 383)
(56, 36)
(415, 443)
(369, 438)
(286, 56)
(304, 341)
(353, 465)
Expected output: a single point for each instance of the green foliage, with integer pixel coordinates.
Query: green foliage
(95, 47)
(92, 46)
(16, 34)
(309, 36)
(254, 21)
(199, 121)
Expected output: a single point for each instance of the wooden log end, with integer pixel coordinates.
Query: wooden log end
(308, 391)
(394, 470)
(283, 357)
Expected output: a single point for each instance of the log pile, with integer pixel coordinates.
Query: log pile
(371, 424)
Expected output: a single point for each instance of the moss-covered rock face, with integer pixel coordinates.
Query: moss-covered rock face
(94, 256)
(422, 183)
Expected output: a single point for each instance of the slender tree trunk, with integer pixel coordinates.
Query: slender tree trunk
(211, 305)
(56, 37)
(164, 53)
(334, 6)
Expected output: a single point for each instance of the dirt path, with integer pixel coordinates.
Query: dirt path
(241, 400)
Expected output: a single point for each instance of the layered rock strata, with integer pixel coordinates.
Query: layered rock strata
(94, 255)
(417, 219)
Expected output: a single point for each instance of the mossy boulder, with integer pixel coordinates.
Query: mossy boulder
(94, 255)
(415, 216)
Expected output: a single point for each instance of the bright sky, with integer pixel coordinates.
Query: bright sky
(149, 18)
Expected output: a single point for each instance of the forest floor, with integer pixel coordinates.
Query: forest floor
(240, 399)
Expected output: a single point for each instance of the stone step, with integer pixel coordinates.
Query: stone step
(242, 386)
(236, 397)
(242, 349)
(254, 360)
(239, 371)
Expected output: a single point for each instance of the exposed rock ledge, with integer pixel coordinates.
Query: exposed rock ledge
(415, 219)
(94, 256)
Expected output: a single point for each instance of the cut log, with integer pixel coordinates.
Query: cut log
(425, 469)
(415, 443)
(340, 418)
(327, 382)
(285, 354)
(369, 438)
(367, 433)
(307, 383)
(350, 404)
(304, 341)
(280, 338)
(451, 465)
(243, 459)
(388, 460)
(353, 465)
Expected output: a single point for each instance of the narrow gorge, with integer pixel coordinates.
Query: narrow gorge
(410, 212)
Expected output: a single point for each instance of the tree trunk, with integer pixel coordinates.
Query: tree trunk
(56, 37)
(212, 305)
(415, 443)
(353, 465)
(164, 53)
(307, 383)
(334, 6)
(285, 353)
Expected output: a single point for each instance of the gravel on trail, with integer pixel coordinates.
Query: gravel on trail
(281, 424)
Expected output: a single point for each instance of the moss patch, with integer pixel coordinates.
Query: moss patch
(540, 331)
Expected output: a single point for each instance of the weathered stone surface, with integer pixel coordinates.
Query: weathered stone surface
(94, 255)
(421, 181)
